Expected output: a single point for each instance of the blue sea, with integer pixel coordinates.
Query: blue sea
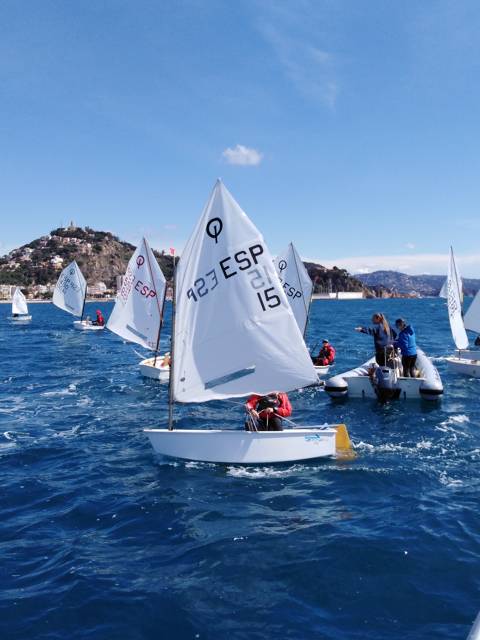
(101, 538)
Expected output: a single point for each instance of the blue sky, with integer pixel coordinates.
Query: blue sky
(349, 127)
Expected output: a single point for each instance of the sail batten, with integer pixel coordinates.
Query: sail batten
(235, 333)
(70, 290)
(19, 303)
(454, 298)
(297, 284)
(138, 310)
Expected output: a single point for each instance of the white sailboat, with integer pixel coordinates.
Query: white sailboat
(138, 312)
(20, 307)
(465, 361)
(70, 293)
(234, 334)
(298, 288)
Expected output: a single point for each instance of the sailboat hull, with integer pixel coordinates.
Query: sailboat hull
(81, 325)
(464, 366)
(154, 371)
(245, 447)
(25, 318)
(322, 370)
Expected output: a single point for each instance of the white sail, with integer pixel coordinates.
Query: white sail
(70, 290)
(297, 284)
(139, 305)
(458, 279)
(455, 305)
(472, 317)
(19, 303)
(235, 332)
(443, 290)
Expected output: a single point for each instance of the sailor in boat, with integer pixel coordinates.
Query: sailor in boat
(326, 355)
(407, 344)
(166, 360)
(99, 321)
(265, 413)
(477, 341)
(383, 338)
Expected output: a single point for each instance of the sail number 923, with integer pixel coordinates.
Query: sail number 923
(231, 266)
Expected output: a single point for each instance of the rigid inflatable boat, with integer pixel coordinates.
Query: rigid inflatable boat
(387, 383)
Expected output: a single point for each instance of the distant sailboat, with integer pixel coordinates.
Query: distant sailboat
(465, 361)
(70, 294)
(138, 312)
(233, 335)
(20, 307)
(298, 287)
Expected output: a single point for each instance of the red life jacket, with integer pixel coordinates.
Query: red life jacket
(283, 408)
(100, 320)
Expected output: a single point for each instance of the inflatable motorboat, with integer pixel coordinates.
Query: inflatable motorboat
(155, 368)
(387, 383)
(85, 325)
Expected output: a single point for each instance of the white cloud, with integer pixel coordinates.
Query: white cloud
(421, 263)
(241, 155)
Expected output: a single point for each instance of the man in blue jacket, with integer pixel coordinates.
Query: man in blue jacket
(407, 344)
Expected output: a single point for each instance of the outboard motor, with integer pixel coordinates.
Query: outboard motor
(384, 382)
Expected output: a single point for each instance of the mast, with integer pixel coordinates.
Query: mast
(172, 350)
(307, 307)
(160, 310)
(84, 300)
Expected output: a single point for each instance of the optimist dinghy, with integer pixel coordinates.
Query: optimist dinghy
(387, 383)
(298, 288)
(87, 325)
(70, 294)
(465, 361)
(235, 334)
(20, 307)
(138, 312)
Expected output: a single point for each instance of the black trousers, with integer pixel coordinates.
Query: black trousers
(408, 363)
(274, 423)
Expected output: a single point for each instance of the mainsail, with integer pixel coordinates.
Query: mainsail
(235, 333)
(472, 317)
(70, 290)
(138, 310)
(455, 305)
(297, 284)
(19, 303)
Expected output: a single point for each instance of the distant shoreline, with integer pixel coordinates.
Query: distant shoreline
(50, 301)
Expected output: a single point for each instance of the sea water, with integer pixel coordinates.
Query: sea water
(101, 538)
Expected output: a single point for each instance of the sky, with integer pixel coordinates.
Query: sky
(348, 127)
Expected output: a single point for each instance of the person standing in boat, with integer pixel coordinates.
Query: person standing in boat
(383, 338)
(407, 344)
(265, 413)
(326, 355)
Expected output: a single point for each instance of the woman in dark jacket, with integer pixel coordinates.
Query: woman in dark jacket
(407, 344)
(383, 337)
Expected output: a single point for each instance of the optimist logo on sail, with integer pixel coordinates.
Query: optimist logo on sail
(214, 228)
